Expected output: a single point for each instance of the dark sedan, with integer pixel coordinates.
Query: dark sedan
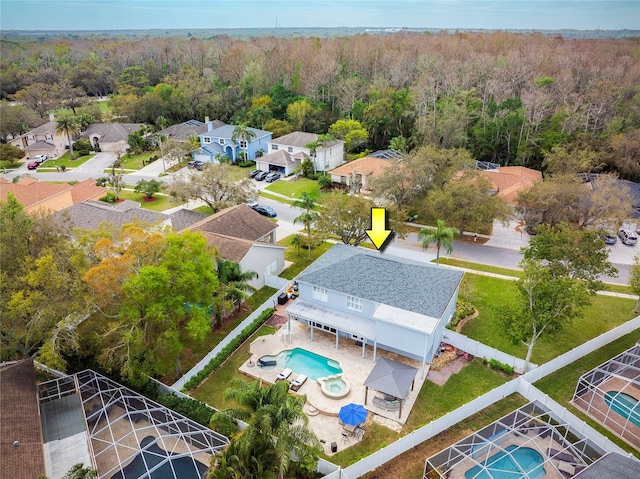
(266, 211)
(253, 173)
(261, 176)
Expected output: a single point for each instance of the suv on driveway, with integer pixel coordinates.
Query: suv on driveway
(39, 159)
(198, 165)
(627, 237)
(271, 177)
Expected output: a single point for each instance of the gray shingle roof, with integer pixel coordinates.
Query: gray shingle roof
(182, 131)
(391, 377)
(40, 145)
(418, 287)
(612, 465)
(279, 158)
(238, 221)
(184, 218)
(89, 214)
(111, 132)
(300, 139)
(226, 131)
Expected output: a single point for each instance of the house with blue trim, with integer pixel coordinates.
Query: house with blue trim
(218, 141)
(377, 300)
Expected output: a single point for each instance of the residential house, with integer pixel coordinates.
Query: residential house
(377, 299)
(111, 137)
(43, 140)
(325, 158)
(35, 195)
(21, 448)
(357, 174)
(218, 141)
(183, 131)
(508, 181)
(244, 236)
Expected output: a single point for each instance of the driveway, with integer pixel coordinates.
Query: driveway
(95, 166)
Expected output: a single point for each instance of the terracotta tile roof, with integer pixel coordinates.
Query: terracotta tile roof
(508, 181)
(29, 194)
(238, 221)
(20, 421)
(364, 166)
(85, 190)
(229, 248)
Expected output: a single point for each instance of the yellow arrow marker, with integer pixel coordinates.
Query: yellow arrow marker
(378, 233)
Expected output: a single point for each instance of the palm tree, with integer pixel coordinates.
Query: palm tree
(234, 286)
(243, 133)
(307, 202)
(314, 146)
(277, 427)
(441, 235)
(307, 218)
(66, 124)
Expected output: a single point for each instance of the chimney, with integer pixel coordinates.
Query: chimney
(209, 125)
(206, 119)
(51, 117)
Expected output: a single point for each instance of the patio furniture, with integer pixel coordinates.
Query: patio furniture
(353, 414)
(298, 382)
(334, 447)
(284, 374)
(350, 428)
(387, 405)
(359, 432)
(345, 437)
(262, 363)
(565, 467)
(560, 456)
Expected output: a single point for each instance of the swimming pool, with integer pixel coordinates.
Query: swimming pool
(521, 461)
(624, 404)
(301, 361)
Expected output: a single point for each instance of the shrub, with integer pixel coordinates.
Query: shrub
(463, 310)
(83, 152)
(102, 181)
(81, 144)
(223, 423)
(192, 408)
(324, 181)
(498, 366)
(221, 357)
(247, 164)
(109, 197)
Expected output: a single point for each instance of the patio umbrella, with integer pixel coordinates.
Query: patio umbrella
(353, 414)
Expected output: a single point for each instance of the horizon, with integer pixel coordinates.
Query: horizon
(117, 15)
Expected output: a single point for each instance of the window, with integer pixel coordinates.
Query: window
(221, 141)
(48, 136)
(206, 139)
(354, 303)
(274, 147)
(320, 293)
(30, 138)
(242, 143)
(290, 149)
(272, 267)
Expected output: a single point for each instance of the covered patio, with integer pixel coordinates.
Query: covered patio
(394, 380)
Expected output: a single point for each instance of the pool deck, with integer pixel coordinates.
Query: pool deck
(323, 411)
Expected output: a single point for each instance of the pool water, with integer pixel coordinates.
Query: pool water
(335, 385)
(301, 361)
(522, 462)
(625, 405)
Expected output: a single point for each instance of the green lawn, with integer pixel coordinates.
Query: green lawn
(481, 267)
(161, 202)
(134, 162)
(562, 384)
(294, 189)
(212, 389)
(66, 161)
(300, 260)
(488, 294)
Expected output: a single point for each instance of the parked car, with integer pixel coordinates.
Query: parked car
(252, 204)
(197, 164)
(253, 173)
(40, 159)
(608, 237)
(261, 176)
(266, 211)
(271, 177)
(627, 237)
(33, 165)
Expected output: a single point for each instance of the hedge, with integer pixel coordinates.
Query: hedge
(191, 408)
(221, 357)
(498, 366)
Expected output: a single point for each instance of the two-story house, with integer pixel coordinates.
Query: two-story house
(378, 300)
(222, 141)
(43, 140)
(285, 153)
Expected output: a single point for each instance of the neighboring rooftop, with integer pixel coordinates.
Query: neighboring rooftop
(382, 278)
(388, 154)
(111, 132)
(20, 422)
(301, 139)
(184, 218)
(89, 214)
(238, 221)
(55, 196)
(368, 165)
(226, 131)
(508, 181)
(182, 131)
(279, 158)
(40, 145)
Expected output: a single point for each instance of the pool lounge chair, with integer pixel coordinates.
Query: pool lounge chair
(284, 374)
(262, 363)
(298, 382)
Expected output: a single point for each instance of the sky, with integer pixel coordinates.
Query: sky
(445, 14)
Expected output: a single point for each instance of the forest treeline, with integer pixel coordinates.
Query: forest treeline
(507, 98)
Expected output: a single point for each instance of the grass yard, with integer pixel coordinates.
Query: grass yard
(134, 162)
(488, 294)
(410, 465)
(66, 161)
(481, 267)
(562, 384)
(294, 189)
(161, 202)
(300, 260)
(212, 389)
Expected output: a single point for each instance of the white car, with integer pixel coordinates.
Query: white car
(40, 159)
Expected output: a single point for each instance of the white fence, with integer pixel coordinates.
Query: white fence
(275, 281)
(179, 384)
(480, 350)
(582, 350)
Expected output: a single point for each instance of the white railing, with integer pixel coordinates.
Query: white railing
(480, 350)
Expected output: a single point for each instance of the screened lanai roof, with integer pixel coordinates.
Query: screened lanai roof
(134, 437)
(528, 443)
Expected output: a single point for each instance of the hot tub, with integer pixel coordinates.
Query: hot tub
(334, 387)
